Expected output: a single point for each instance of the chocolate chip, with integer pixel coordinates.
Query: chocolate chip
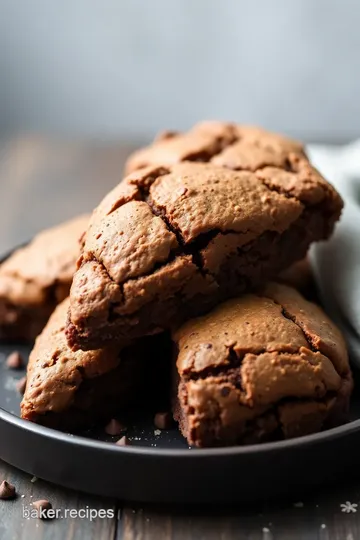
(21, 385)
(225, 391)
(163, 420)
(114, 427)
(124, 441)
(15, 360)
(7, 491)
(209, 346)
(43, 506)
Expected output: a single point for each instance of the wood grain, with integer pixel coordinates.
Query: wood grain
(15, 526)
(315, 517)
(44, 182)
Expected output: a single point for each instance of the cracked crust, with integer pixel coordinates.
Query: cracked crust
(35, 278)
(270, 365)
(224, 143)
(178, 236)
(71, 390)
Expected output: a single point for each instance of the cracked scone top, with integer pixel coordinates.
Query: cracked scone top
(202, 217)
(259, 367)
(229, 145)
(36, 277)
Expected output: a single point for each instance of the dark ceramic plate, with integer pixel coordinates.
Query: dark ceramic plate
(162, 468)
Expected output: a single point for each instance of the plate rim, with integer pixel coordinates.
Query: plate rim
(267, 447)
(161, 460)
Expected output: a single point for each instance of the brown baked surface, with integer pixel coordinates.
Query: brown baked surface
(260, 367)
(233, 146)
(173, 240)
(72, 390)
(37, 277)
(300, 276)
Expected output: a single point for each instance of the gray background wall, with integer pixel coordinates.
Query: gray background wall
(126, 68)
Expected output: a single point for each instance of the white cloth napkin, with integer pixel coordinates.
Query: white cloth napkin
(336, 263)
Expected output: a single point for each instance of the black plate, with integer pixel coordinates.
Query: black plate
(160, 467)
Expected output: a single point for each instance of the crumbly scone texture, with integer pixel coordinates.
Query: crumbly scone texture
(72, 390)
(300, 276)
(260, 367)
(222, 210)
(37, 277)
(234, 146)
(55, 373)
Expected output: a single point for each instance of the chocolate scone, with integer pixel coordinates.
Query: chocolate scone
(230, 145)
(171, 241)
(35, 278)
(299, 275)
(260, 367)
(71, 390)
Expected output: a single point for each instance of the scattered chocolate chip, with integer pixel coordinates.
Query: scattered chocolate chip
(163, 420)
(21, 385)
(124, 441)
(7, 490)
(15, 360)
(43, 506)
(209, 346)
(114, 427)
(225, 391)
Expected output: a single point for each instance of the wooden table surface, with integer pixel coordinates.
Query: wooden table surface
(43, 182)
